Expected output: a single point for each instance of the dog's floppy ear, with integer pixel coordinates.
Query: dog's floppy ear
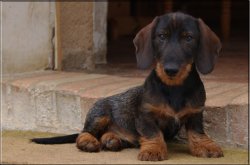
(209, 49)
(143, 46)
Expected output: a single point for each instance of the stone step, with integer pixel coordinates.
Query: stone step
(58, 102)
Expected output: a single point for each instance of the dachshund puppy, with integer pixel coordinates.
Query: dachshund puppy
(172, 95)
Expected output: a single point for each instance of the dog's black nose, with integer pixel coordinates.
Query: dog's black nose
(171, 71)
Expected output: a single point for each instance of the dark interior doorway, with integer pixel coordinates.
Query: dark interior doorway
(126, 18)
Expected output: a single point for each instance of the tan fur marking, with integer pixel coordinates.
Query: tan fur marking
(187, 112)
(166, 111)
(178, 79)
(87, 142)
(202, 146)
(108, 135)
(153, 149)
(102, 122)
(160, 110)
(111, 141)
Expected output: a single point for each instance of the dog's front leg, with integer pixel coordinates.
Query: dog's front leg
(152, 144)
(199, 143)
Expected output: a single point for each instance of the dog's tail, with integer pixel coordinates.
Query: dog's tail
(56, 140)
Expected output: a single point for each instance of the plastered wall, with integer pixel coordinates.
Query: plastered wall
(27, 36)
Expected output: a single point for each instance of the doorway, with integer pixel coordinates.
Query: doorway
(125, 19)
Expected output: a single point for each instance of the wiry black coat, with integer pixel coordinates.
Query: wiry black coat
(124, 109)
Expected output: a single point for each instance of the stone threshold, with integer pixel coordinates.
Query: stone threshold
(57, 102)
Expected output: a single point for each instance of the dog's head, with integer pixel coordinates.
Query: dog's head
(175, 41)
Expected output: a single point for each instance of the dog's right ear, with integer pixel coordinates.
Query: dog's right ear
(143, 46)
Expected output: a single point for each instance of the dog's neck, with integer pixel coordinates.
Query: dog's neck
(171, 94)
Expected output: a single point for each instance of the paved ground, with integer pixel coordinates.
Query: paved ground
(18, 149)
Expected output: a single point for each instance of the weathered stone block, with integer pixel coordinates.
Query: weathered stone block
(215, 124)
(18, 109)
(46, 114)
(69, 112)
(86, 104)
(238, 123)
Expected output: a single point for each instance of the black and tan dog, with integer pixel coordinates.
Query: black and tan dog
(173, 94)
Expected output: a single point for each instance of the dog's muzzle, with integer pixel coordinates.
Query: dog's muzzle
(171, 70)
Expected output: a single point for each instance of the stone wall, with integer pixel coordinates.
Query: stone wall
(83, 34)
(77, 35)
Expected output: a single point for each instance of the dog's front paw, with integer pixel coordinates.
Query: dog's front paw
(202, 146)
(210, 150)
(156, 155)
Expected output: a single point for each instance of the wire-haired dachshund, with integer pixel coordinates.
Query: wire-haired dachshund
(172, 95)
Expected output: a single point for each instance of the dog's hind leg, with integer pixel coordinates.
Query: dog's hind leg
(96, 124)
(87, 142)
(111, 141)
(88, 139)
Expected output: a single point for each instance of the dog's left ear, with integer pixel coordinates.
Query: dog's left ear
(143, 46)
(209, 49)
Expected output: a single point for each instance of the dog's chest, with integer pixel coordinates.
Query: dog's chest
(164, 111)
(169, 120)
(174, 98)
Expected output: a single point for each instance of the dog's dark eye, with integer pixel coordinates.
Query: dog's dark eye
(188, 38)
(163, 36)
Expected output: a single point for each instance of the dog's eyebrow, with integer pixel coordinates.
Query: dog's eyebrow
(164, 31)
(185, 33)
